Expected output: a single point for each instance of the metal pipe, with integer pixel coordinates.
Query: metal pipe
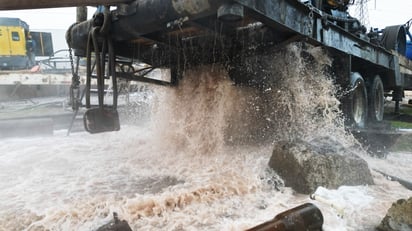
(81, 14)
(30, 4)
(154, 15)
(303, 217)
(135, 20)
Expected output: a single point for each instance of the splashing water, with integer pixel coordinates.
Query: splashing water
(200, 164)
(296, 101)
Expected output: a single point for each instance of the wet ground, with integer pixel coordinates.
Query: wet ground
(194, 159)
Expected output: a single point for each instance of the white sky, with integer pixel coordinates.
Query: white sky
(58, 18)
(384, 13)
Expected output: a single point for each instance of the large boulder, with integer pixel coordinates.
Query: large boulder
(304, 166)
(399, 217)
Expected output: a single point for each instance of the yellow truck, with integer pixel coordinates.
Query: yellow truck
(19, 45)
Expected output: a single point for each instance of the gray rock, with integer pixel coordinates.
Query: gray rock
(115, 225)
(304, 166)
(399, 217)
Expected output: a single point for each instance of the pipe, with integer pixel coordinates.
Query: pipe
(303, 217)
(405, 183)
(155, 15)
(135, 20)
(81, 14)
(30, 4)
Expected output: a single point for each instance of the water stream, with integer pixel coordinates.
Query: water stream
(198, 163)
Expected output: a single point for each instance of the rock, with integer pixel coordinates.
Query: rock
(399, 217)
(323, 162)
(115, 225)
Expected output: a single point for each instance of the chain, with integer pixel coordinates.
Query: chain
(310, 24)
(75, 86)
(71, 60)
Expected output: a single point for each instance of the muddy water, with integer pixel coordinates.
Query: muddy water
(199, 164)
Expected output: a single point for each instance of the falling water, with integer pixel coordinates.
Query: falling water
(298, 101)
(199, 164)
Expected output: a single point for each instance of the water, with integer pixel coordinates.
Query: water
(199, 164)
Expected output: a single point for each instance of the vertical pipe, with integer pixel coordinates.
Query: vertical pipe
(81, 14)
(41, 43)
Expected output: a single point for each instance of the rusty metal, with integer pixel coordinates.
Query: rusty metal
(304, 217)
(38, 4)
(150, 18)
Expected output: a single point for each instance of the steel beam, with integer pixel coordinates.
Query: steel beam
(295, 17)
(146, 17)
(37, 4)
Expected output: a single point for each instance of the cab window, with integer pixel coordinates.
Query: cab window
(15, 36)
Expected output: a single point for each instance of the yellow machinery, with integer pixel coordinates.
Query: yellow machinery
(14, 47)
(13, 33)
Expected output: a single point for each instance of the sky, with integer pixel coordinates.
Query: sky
(57, 18)
(381, 13)
(55, 21)
(384, 13)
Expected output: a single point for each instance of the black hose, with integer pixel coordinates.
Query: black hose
(100, 79)
(112, 69)
(88, 69)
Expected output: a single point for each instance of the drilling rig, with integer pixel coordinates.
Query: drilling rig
(175, 34)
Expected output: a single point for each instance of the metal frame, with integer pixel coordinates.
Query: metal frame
(158, 33)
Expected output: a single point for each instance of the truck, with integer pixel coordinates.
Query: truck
(19, 45)
(370, 64)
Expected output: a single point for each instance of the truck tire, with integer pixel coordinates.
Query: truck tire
(358, 102)
(376, 99)
(394, 38)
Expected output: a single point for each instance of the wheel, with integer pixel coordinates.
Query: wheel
(394, 38)
(376, 99)
(358, 102)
